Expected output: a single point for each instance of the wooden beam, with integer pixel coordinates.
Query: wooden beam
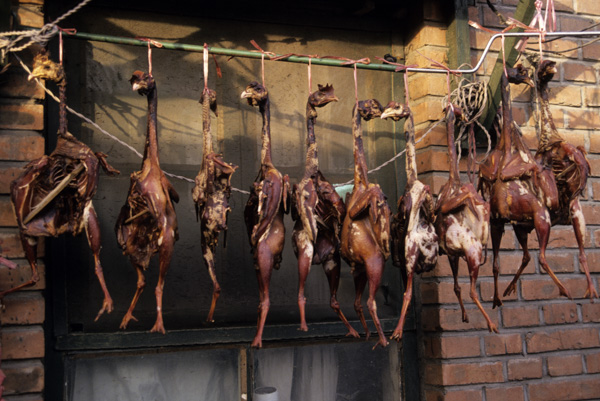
(523, 13)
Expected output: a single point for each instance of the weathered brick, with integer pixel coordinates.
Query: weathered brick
(560, 237)
(442, 293)
(435, 319)
(451, 374)
(520, 316)
(487, 290)
(23, 116)
(564, 339)
(12, 278)
(560, 261)
(509, 260)
(448, 347)
(21, 145)
(567, 48)
(504, 393)
(560, 313)
(23, 377)
(429, 35)
(453, 395)
(592, 362)
(7, 214)
(592, 96)
(564, 365)
(573, 23)
(10, 244)
(582, 119)
(591, 52)
(16, 85)
(538, 288)
(593, 259)
(31, 15)
(565, 390)
(566, 96)
(587, 7)
(524, 368)
(436, 136)
(22, 342)
(503, 344)
(579, 72)
(8, 174)
(23, 308)
(590, 312)
(427, 110)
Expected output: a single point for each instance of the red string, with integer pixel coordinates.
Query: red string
(309, 77)
(70, 31)
(355, 85)
(399, 67)
(150, 43)
(205, 60)
(406, 94)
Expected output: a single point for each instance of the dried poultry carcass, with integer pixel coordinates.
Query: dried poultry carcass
(414, 243)
(570, 167)
(147, 223)
(319, 212)
(211, 195)
(366, 229)
(268, 201)
(520, 190)
(53, 196)
(462, 222)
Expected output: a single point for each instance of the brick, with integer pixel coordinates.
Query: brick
(491, 20)
(595, 166)
(582, 119)
(22, 342)
(565, 339)
(7, 214)
(16, 85)
(594, 145)
(434, 53)
(10, 244)
(593, 259)
(590, 213)
(426, 111)
(563, 5)
(480, 39)
(443, 293)
(560, 313)
(451, 374)
(524, 368)
(421, 86)
(504, 393)
(538, 289)
(429, 35)
(591, 52)
(573, 23)
(566, 96)
(592, 96)
(436, 136)
(565, 390)
(487, 290)
(31, 15)
(448, 347)
(560, 237)
(579, 72)
(509, 260)
(592, 362)
(520, 316)
(590, 312)
(435, 319)
(453, 395)
(23, 377)
(563, 46)
(587, 7)
(561, 262)
(24, 116)
(8, 174)
(21, 145)
(23, 308)
(503, 344)
(567, 365)
(435, 182)
(11, 278)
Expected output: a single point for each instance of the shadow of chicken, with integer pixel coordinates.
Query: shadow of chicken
(520, 190)
(414, 243)
(366, 228)
(211, 195)
(462, 222)
(53, 195)
(263, 214)
(318, 211)
(570, 167)
(147, 223)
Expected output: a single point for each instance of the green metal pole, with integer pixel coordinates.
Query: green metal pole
(228, 52)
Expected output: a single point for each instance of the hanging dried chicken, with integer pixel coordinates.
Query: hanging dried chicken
(414, 243)
(147, 223)
(318, 211)
(520, 190)
(462, 222)
(265, 209)
(53, 196)
(570, 167)
(366, 228)
(211, 195)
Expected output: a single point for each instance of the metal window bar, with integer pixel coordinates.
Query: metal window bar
(323, 61)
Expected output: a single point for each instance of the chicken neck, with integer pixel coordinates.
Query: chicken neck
(360, 165)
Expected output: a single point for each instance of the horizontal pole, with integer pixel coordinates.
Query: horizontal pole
(321, 61)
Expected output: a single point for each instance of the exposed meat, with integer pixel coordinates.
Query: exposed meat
(366, 228)
(147, 223)
(318, 211)
(70, 174)
(414, 243)
(269, 200)
(462, 223)
(211, 195)
(570, 167)
(520, 190)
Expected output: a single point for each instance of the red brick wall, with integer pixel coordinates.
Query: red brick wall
(548, 347)
(21, 140)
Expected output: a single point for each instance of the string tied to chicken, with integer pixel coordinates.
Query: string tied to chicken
(262, 58)
(150, 43)
(70, 31)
